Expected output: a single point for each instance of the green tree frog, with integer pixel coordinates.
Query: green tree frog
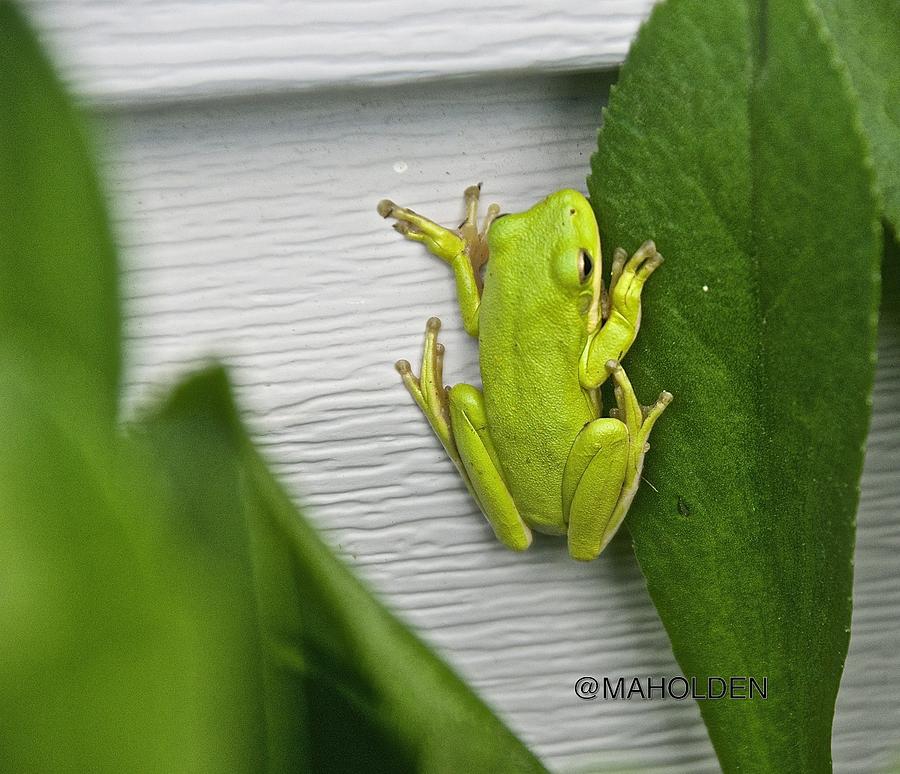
(533, 446)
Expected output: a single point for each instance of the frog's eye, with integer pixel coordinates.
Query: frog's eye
(585, 265)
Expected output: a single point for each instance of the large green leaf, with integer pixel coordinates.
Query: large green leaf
(867, 33)
(344, 685)
(731, 140)
(58, 301)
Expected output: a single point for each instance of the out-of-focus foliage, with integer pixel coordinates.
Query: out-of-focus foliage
(163, 606)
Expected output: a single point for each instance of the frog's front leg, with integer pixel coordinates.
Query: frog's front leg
(458, 419)
(604, 467)
(621, 312)
(464, 249)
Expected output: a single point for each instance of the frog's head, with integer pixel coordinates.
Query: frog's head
(562, 231)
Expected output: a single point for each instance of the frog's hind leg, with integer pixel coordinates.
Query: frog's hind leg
(604, 467)
(592, 482)
(458, 419)
(470, 431)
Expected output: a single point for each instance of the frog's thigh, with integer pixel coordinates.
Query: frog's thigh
(468, 422)
(592, 483)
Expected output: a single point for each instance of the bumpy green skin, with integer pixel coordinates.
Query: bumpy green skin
(534, 449)
(532, 331)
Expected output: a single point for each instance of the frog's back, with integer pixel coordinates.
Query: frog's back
(531, 335)
(535, 409)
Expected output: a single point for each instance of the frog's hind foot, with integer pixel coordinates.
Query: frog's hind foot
(428, 390)
(649, 414)
(637, 418)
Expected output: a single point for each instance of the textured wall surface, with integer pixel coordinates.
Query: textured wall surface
(122, 51)
(250, 233)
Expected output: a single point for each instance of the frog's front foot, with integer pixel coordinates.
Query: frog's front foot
(627, 279)
(621, 312)
(465, 248)
(475, 237)
(445, 243)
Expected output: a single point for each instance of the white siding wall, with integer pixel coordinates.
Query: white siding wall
(246, 149)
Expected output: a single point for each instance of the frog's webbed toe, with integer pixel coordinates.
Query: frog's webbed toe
(651, 412)
(471, 196)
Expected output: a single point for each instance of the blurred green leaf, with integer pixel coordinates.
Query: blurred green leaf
(731, 140)
(346, 687)
(867, 34)
(120, 650)
(58, 300)
(162, 605)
